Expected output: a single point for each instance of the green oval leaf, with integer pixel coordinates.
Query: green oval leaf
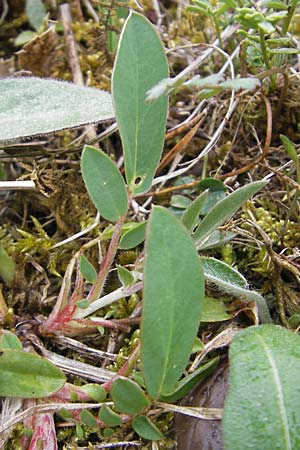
(262, 407)
(104, 183)
(128, 397)
(214, 310)
(125, 276)
(36, 106)
(224, 209)
(109, 417)
(87, 269)
(140, 64)
(7, 266)
(28, 375)
(36, 12)
(95, 391)
(10, 341)
(87, 418)
(146, 429)
(173, 295)
(133, 237)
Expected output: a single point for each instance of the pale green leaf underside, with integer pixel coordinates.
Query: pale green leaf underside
(173, 294)
(218, 270)
(36, 106)
(36, 13)
(140, 64)
(27, 375)
(230, 281)
(104, 183)
(262, 408)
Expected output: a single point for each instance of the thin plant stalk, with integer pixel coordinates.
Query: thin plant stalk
(96, 290)
(287, 20)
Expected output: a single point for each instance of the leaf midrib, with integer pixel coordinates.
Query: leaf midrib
(279, 394)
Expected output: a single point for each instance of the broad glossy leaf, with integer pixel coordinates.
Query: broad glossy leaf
(128, 397)
(224, 209)
(36, 106)
(104, 183)
(262, 407)
(173, 294)
(28, 375)
(146, 429)
(140, 64)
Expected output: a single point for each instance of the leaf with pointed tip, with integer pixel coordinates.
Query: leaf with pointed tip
(232, 282)
(133, 237)
(140, 64)
(214, 310)
(109, 417)
(262, 407)
(191, 214)
(173, 295)
(146, 429)
(10, 341)
(27, 375)
(224, 209)
(215, 271)
(185, 385)
(87, 269)
(36, 12)
(104, 183)
(35, 106)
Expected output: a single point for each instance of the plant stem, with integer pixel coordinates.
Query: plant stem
(264, 49)
(96, 290)
(107, 300)
(287, 20)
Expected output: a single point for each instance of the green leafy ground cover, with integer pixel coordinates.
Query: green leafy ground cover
(139, 256)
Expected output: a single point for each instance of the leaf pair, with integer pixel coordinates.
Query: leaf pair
(140, 63)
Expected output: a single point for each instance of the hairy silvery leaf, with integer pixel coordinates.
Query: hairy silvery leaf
(36, 106)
